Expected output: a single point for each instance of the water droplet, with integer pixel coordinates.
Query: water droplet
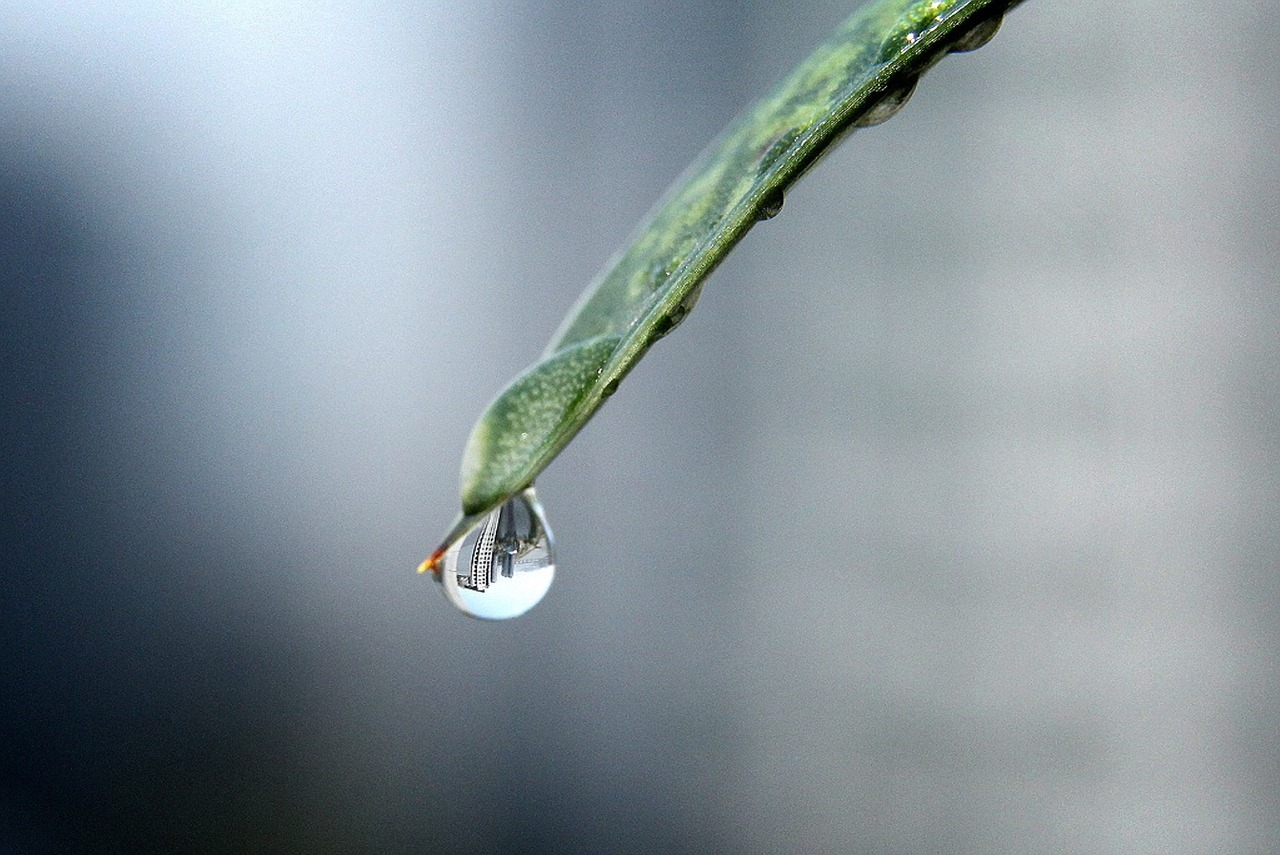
(666, 324)
(917, 21)
(889, 104)
(771, 206)
(504, 564)
(978, 35)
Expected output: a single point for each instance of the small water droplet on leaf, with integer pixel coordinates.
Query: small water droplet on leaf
(888, 105)
(977, 35)
(503, 565)
(772, 205)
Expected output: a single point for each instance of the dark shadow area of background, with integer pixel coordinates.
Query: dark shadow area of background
(148, 702)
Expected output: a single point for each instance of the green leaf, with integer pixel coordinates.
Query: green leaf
(858, 78)
(530, 422)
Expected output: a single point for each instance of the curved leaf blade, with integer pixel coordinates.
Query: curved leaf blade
(534, 408)
(859, 77)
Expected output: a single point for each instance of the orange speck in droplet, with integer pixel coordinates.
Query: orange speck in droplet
(432, 561)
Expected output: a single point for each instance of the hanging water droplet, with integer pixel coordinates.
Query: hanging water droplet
(771, 206)
(665, 325)
(889, 104)
(503, 565)
(978, 35)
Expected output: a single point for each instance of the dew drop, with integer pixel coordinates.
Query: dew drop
(889, 104)
(771, 206)
(504, 564)
(666, 323)
(664, 326)
(978, 35)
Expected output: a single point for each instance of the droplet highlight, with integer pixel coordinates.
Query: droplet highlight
(917, 21)
(503, 565)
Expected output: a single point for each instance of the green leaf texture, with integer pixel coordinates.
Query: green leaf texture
(856, 79)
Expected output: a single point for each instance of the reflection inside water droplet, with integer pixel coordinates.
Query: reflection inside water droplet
(977, 35)
(772, 205)
(504, 564)
(889, 104)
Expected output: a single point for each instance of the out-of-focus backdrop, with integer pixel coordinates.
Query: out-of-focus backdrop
(948, 522)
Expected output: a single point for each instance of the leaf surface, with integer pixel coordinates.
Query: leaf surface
(858, 78)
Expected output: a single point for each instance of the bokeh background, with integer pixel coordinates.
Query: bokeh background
(948, 522)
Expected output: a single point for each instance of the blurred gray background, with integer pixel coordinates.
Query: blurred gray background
(946, 524)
